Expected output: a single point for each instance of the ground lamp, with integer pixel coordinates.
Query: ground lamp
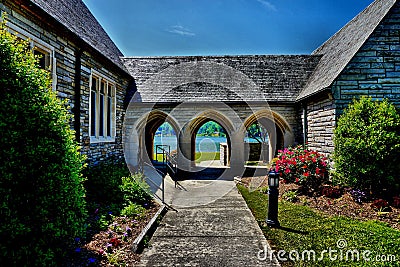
(273, 192)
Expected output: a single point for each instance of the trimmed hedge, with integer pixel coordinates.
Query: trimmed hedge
(367, 146)
(42, 206)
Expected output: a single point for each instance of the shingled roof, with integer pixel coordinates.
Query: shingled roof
(77, 18)
(221, 78)
(341, 47)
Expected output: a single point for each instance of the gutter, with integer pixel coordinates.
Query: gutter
(77, 90)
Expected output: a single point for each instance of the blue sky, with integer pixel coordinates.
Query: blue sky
(222, 27)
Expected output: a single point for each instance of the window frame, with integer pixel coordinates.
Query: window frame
(41, 46)
(108, 116)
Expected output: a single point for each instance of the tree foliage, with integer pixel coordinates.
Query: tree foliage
(258, 132)
(166, 129)
(42, 203)
(211, 128)
(367, 145)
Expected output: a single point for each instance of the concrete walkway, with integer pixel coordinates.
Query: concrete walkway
(212, 227)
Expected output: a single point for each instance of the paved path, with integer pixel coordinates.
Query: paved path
(221, 232)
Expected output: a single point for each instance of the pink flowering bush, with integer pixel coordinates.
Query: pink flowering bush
(302, 166)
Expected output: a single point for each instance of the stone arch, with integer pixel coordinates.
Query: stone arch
(204, 117)
(279, 131)
(146, 127)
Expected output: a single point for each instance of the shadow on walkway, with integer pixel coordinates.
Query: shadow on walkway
(211, 227)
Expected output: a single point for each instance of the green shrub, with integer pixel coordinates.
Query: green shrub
(367, 146)
(104, 180)
(135, 189)
(42, 206)
(290, 196)
(302, 166)
(133, 210)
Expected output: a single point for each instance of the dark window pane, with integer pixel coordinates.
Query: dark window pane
(109, 115)
(103, 88)
(94, 84)
(101, 128)
(41, 58)
(93, 114)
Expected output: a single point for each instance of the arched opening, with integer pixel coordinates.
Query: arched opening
(165, 140)
(257, 144)
(210, 144)
(272, 125)
(158, 131)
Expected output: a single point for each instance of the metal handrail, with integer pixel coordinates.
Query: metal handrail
(163, 151)
(168, 160)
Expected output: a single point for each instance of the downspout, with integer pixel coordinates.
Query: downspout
(305, 123)
(77, 89)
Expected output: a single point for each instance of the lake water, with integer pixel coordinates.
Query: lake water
(203, 144)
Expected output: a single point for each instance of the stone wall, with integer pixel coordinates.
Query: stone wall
(66, 48)
(321, 121)
(375, 69)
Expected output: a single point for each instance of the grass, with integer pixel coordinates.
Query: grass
(199, 157)
(306, 229)
(205, 156)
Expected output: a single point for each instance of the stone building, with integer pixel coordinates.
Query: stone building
(363, 58)
(298, 98)
(85, 66)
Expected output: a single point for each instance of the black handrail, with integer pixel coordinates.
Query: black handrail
(168, 160)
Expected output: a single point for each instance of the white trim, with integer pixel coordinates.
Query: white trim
(36, 42)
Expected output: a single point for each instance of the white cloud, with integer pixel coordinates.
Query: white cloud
(267, 4)
(178, 29)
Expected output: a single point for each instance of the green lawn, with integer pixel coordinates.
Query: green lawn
(205, 156)
(306, 229)
(200, 156)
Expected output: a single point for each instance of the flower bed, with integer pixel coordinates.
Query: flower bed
(302, 166)
(112, 246)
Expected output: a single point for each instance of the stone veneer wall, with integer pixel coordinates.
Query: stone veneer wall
(375, 69)
(321, 121)
(65, 52)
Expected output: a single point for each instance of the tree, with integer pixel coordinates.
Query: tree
(42, 206)
(259, 133)
(211, 128)
(367, 146)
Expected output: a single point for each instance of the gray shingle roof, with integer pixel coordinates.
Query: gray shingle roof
(341, 47)
(77, 18)
(220, 78)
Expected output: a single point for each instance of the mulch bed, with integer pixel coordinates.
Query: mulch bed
(113, 247)
(342, 206)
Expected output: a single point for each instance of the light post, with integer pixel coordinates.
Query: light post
(273, 193)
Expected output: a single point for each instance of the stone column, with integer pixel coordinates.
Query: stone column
(237, 153)
(184, 148)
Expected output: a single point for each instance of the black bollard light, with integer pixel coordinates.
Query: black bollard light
(273, 192)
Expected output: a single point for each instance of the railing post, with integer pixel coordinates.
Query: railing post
(163, 189)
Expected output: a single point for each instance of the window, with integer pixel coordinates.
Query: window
(102, 109)
(45, 52)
